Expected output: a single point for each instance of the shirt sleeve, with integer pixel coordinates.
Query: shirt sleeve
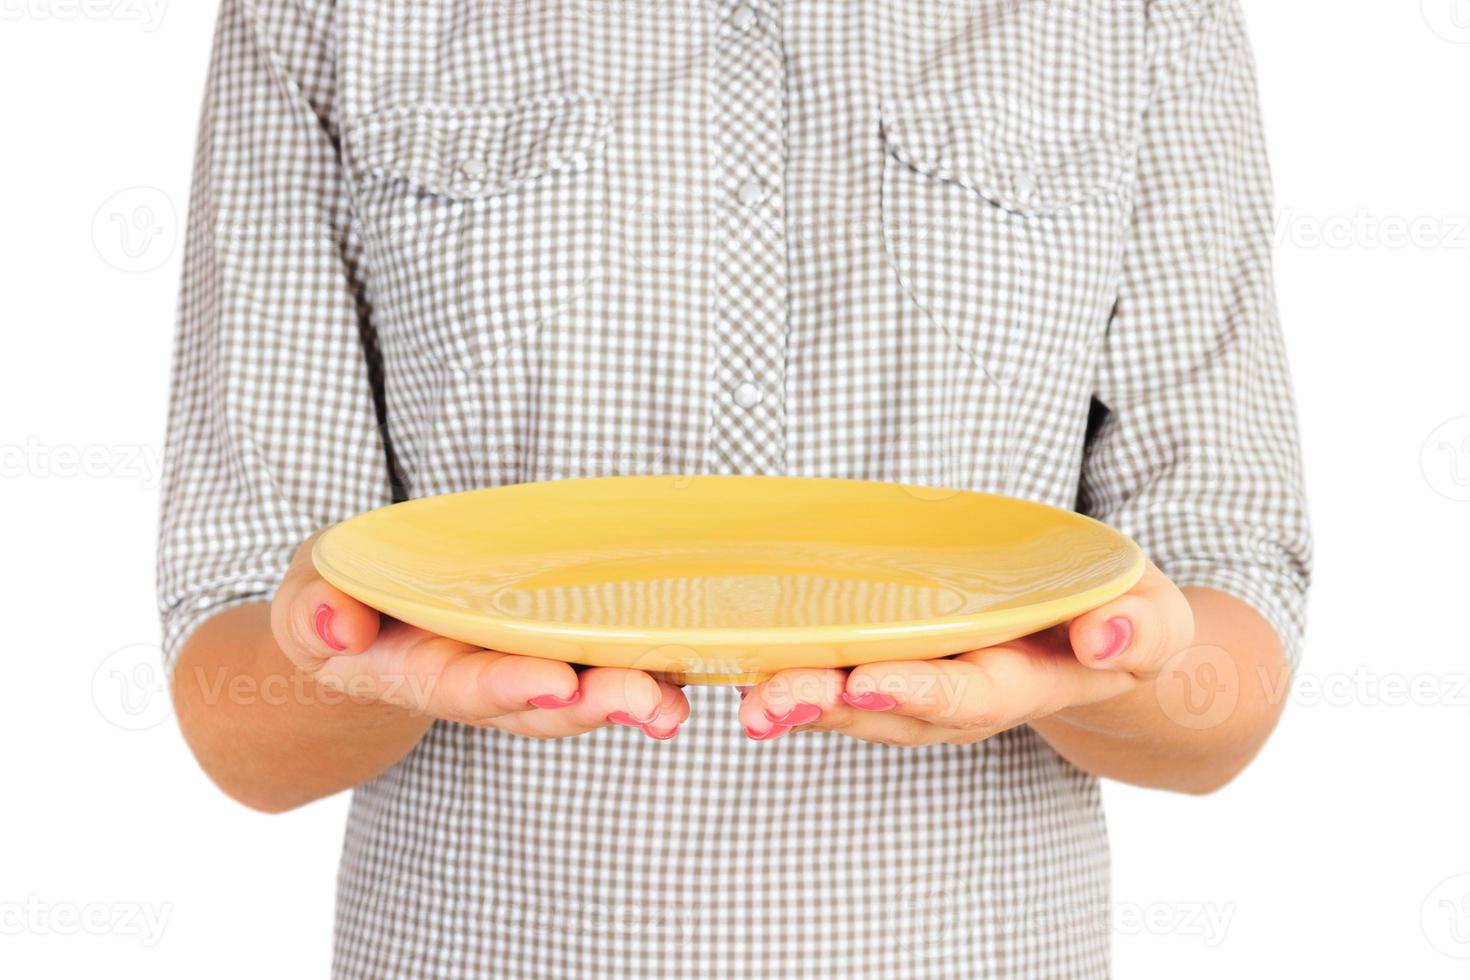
(1194, 448)
(272, 424)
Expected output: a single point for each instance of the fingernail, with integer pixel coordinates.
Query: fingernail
(802, 714)
(1122, 628)
(623, 718)
(660, 736)
(870, 701)
(552, 701)
(756, 736)
(324, 627)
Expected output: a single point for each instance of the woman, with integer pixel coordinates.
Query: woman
(1011, 247)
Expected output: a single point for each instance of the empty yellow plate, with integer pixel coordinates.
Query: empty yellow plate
(725, 579)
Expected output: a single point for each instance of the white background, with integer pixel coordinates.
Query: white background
(1344, 850)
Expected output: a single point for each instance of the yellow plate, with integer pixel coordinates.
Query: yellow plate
(725, 579)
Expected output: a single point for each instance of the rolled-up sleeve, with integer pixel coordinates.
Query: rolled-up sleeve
(272, 427)
(1195, 450)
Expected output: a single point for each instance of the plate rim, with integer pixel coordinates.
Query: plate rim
(1060, 608)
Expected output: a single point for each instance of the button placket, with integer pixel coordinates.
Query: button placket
(749, 312)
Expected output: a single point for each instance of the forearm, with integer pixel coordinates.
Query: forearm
(1150, 737)
(266, 733)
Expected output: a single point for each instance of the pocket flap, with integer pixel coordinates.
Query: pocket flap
(469, 151)
(1024, 162)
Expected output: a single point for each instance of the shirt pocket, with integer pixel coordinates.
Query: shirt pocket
(481, 223)
(1005, 226)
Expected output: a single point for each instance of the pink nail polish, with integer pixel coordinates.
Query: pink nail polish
(775, 732)
(1122, 628)
(660, 736)
(802, 714)
(552, 701)
(623, 718)
(324, 627)
(870, 701)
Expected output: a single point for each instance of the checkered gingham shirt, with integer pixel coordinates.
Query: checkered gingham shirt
(1018, 246)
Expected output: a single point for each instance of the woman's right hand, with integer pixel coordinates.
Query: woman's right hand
(349, 647)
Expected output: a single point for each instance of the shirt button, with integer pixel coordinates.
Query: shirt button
(750, 193)
(743, 19)
(474, 169)
(748, 395)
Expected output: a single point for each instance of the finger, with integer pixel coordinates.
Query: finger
(1137, 632)
(326, 622)
(313, 620)
(881, 728)
(614, 695)
(812, 700)
(449, 679)
(1032, 678)
(931, 691)
(602, 705)
(507, 683)
(988, 691)
(673, 711)
(789, 699)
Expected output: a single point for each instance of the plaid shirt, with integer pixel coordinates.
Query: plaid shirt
(1015, 246)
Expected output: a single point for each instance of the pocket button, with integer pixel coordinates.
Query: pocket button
(748, 395)
(750, 193)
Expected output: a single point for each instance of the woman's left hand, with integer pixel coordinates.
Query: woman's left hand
(1103, 654)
